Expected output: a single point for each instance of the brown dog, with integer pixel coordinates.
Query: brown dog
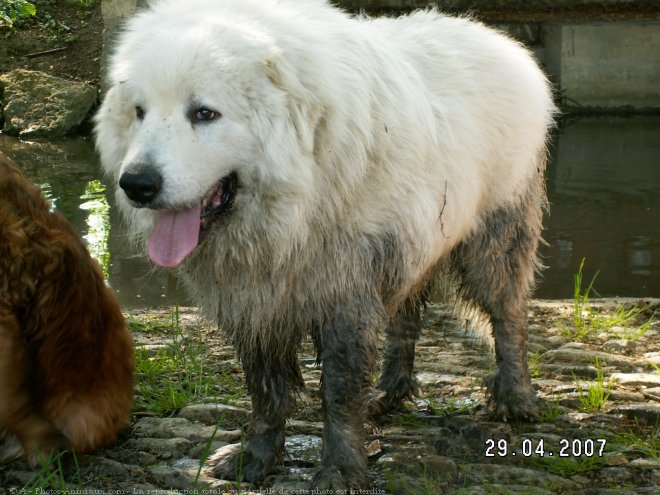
(66, 362)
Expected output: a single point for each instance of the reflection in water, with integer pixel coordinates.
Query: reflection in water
(47, 191)
(603, 186)
(604, 190)
(98, 223)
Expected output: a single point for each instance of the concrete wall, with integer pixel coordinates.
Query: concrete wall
(482, 4)
(605, 65)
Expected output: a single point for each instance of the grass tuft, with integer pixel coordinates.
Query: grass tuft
(174, 376)
(647, 444)
(49, 477)
(587, 321)
(596, 395)
(568, 466)
(552, 411)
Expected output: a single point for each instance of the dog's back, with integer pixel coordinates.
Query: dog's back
(67, 363)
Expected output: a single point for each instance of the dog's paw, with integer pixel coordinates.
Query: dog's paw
(333, 479)
(235, 462)
(390, 395)
(512, 401)
(45, 446)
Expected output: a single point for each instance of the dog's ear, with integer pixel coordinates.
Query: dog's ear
(304, 108)
(112, 127)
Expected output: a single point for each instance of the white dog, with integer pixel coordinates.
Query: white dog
(308, 171)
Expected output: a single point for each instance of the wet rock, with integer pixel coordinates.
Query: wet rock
(496, 473)
(175, 427)
(620, 345)
(211, 414)
(162, 448)
(428, 378)
(652, 393)
(650, 464)
(37, 104)
(581, 354)
(498, 488)
(615, 459)
(645, 412)
(186, 474)
(374, 448)
(653, 357)
(617, 475)
(108, 468)
(439, 467)
(295, 426)
(637, 379)
(130, 456)
(304, 450)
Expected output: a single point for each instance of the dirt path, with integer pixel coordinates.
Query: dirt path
(445, 443)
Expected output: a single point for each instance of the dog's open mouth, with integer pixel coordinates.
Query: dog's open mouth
(217, 203)
(178, 232)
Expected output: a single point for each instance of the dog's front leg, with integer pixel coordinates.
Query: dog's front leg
(346, 345)
(272, 380)
(18, 412)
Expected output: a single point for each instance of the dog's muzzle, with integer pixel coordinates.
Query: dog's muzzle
(142, 186)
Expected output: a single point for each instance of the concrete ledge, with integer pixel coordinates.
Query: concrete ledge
(485, 4)
(605, 65)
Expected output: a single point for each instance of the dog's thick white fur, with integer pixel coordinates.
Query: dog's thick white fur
(367, 153)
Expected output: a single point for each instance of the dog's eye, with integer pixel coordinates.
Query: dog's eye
(203, 115)
(139, 112)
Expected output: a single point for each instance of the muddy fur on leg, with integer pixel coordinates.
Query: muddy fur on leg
(346, 346)
(495, 270)
(397, 381)
(272, 382)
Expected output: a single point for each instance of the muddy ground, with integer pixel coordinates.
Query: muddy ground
(444, 442)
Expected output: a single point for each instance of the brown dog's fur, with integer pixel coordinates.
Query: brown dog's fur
(66, 362)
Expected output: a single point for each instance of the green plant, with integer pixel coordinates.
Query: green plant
(625, 318)
(567, 466)
(580, 303)
(15, 10)
(648, 445)
(534, 363)
(424, 484)
(174, 376)
(407, 420)
(205, 454)
(595, 397)
(552, 411)
(50, 476)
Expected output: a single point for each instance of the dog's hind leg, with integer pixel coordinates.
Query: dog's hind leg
(397, 381)
(272, 380)
(497, 267)
(17, 406)
(346, 346)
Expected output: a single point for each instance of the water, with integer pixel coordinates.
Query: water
(70, 177)
(603, 185)
(604, 189)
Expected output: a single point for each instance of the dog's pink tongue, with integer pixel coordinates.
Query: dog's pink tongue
(175, 236)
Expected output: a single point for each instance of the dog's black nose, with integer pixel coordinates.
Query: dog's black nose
(142, 186)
